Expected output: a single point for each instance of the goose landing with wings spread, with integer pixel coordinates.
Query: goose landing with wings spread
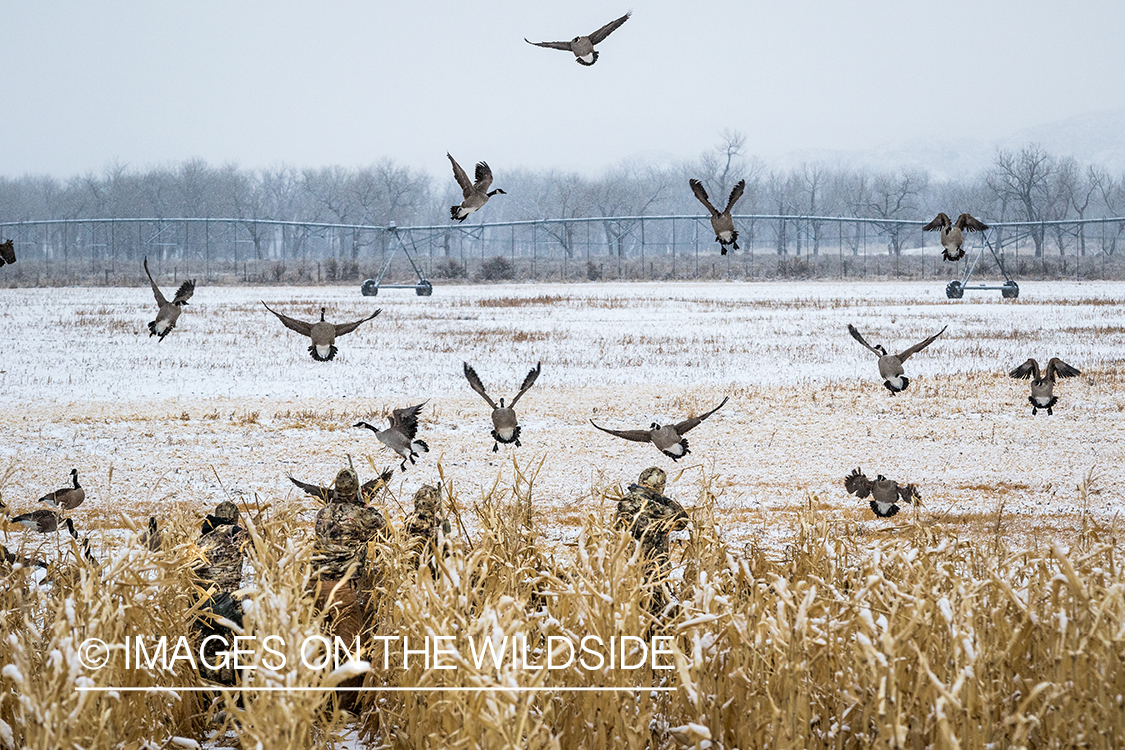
(168, 312)
(669, 438)
(890, 365)
(505, 426)
(583, 46)
(322, 333)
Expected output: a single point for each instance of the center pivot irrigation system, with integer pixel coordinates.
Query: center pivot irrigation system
(101, 245)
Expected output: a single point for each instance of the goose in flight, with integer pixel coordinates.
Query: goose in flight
(722, 223)
(951, 233)
(505, 426)
(885, 493)
(476, 193)
(169, 312)
(1043, 383)
(583, 46)
(890, 365)
(669, 439)
(367, 489)
(400, 436)
(322, 333)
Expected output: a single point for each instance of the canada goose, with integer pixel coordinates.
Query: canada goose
(890, 365)
(367, 489)
(399, 437)
(9, 559)
(951, 237)
(476, 193)
(44, 520)
(169, 312)
(152, 537)
(722, 223)
(322, 333)
(885, 493)
(668, 438)
(7, 252)
(68, 498)
(583, 46)
(1043, 383)
(505, 426)
(212, 521)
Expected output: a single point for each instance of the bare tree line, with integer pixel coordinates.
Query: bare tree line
(1029, 185)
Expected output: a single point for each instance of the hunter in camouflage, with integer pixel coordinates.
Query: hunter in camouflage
(222, 548)
(343, 528)
(422, 525)
(650, 517)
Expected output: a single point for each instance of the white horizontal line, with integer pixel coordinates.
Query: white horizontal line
(458, 689)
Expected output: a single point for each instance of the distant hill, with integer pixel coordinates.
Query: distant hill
(1092, 138)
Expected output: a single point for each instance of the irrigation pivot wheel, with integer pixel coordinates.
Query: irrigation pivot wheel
(1010, 290)
(370, 288)
(954, 290)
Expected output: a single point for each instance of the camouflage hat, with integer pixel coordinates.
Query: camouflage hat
(427, 499)
(347, 483)
(227, 511)
(654, 478)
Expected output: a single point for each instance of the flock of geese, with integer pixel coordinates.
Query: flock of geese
(401, 434)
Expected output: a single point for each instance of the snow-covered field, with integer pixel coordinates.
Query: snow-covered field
(231, 402)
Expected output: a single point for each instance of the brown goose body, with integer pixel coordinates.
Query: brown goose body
(400, 436)
(721, 221)
(68, 498)
(45, 521)
(583, 46)
(168, 312)
(952, 233)
(505, 425)
(322, 333)
(885, 493)
(890, 365)
(476, 193)
(669, 439)
(1043, 382)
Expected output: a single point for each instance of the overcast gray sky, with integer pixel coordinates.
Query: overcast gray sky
(259, 84)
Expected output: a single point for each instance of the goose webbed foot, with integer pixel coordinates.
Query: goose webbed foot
(495, 447)
(1050, 411)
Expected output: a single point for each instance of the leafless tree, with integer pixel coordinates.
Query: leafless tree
(1024, 180)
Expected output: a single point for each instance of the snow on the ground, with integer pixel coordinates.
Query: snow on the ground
(231, 402)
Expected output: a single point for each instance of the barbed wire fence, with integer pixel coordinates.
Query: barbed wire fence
(771, 246)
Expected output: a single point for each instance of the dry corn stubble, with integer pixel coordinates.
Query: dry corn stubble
(913, 639)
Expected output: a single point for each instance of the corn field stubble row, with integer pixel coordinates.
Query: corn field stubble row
(914, 639)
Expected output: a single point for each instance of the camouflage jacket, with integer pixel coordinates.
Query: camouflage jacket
(342, 533)
(422, 531)
(650, 517)
(223, 549)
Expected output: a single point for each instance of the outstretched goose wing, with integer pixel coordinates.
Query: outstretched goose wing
(858, 337)
(905, 354)
(527, 382)
(461, 177)
(1061, 369)
(342, 328)
(160, 298)
(637, 436)
(475, 384)
(1026, 370)
(701, 194)
(688, 424)
(301, 327)
(608, 29)
(735, 195)
(940, 222)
